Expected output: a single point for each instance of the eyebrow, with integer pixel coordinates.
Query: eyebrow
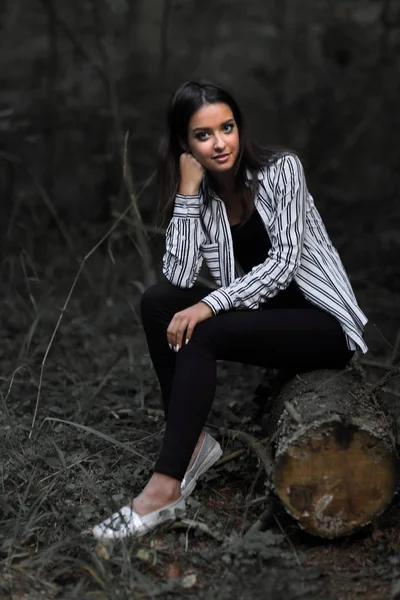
(228, 122)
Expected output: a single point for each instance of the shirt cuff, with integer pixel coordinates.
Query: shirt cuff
(218, 301)
(187, 206)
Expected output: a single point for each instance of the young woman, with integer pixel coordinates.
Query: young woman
(283, 299)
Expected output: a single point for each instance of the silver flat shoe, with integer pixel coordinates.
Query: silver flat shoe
(127, 522)
(210, 451)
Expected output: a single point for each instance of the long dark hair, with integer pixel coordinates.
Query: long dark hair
(189, 97)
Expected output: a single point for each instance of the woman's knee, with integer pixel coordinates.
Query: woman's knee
(154, 297)
(206, 334)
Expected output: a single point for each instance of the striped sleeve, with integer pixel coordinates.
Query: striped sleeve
(182, 259)
(276, 272)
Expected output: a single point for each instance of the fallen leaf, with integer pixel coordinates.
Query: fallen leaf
(103, 550)
(143, 554)
(173, 570)
(189, 580)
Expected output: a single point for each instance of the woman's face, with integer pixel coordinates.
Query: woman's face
(213, 137)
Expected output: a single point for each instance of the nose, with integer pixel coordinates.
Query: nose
(219, 143)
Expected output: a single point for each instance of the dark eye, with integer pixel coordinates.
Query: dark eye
(228, 128)
(202, 136)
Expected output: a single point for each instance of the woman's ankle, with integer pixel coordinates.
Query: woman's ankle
(163, 485)
(197, 449)
(160, 491)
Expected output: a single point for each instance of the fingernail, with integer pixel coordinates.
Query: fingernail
(177, 348)
(170, 346)
(187, 341)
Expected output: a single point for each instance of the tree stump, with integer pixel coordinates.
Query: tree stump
(334, 451)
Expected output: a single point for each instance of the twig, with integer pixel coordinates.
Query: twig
(258, 500)
(264, 517)
(232, 456)
(105, 378)
(189, 523)
(4, 400)
(288, 539)
(78, 462)
(135, 314)
(12, 380)
(99, 434)
(187, 531)
(386, 340)
(253, 485)
(395, 350)
(28, 287)
(292, 412)
(254, 444)
(141, 233)
(53, 211)
(384, 380)
(154, 412)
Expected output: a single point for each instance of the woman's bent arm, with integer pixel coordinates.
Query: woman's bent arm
(184, 236)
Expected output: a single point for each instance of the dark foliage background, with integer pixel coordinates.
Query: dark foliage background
(75, 78)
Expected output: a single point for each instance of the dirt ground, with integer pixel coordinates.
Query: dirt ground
(93, 398)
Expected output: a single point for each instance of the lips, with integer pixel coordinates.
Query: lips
(221, 156)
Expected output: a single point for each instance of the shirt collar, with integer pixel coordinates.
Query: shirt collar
(249, 177)
(249, 174)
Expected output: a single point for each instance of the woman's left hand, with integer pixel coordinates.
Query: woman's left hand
(186, 320)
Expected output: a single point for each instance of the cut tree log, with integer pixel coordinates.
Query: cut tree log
(334, 451)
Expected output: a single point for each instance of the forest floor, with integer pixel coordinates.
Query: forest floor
(93, 399)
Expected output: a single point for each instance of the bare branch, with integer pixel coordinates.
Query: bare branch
(253, 444)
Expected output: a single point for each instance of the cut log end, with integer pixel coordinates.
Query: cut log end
(335, 478)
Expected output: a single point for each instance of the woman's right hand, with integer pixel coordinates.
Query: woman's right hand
(191, 175)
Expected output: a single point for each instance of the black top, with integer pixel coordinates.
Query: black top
(251, 245)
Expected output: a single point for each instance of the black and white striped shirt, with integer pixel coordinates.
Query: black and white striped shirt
(301, 250)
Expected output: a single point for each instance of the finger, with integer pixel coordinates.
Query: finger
(189, 331)
(180, 334)
(169, 340)
(171, 334)
(174, 332)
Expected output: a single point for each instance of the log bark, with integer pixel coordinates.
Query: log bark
(334, 451)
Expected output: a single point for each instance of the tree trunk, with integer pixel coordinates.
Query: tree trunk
(335, 457)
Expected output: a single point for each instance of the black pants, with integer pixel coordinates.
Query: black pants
(298, 338)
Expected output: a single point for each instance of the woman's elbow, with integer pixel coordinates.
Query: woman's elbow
(176, 279)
